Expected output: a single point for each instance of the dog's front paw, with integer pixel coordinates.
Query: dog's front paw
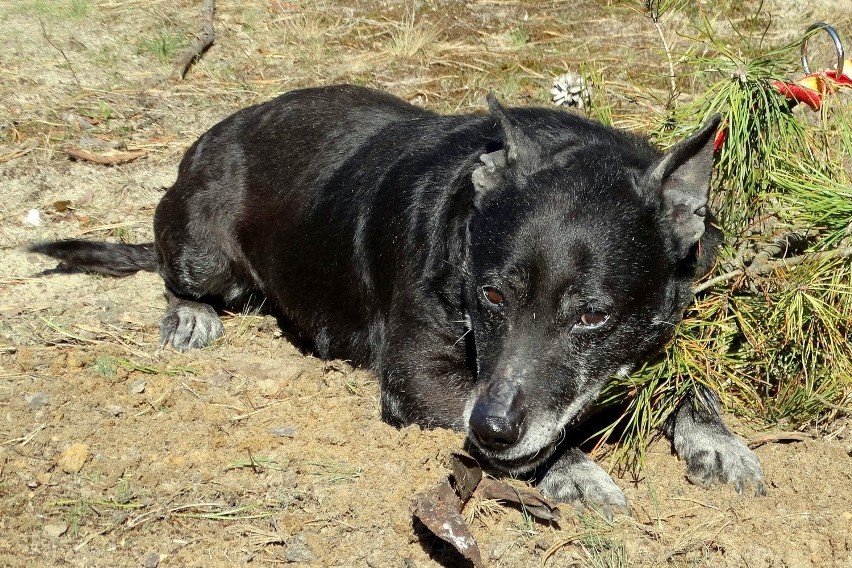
(577, 480)
(714, 457)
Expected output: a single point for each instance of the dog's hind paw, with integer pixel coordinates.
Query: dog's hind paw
(714, 457)
(190, 325)
(577, 480)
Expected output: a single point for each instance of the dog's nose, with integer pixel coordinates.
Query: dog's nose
(495, 432)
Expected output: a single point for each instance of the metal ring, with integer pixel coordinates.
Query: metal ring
(838, 46)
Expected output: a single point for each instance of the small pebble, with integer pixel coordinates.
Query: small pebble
(73, 458)
(113, 410)
(33, 218)
(284, 431)
(297, 550)
(37, 400)
(55, 530)
(152, 560)
(137, 387)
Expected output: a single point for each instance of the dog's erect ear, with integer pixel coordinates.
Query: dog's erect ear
(682, 178)
(519, 152)
(520, 148)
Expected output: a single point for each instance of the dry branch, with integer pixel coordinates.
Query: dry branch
(103, 159)
(202, 43)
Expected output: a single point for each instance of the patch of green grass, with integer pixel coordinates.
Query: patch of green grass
(74, 515)
(123, 234)
(123, 493)
(600, 546)
(105, 366)
(54, 9)
(153, 370)
(519, 37)
(162, 45)
(78, 9)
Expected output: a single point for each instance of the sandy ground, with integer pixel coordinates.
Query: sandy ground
(115, 452)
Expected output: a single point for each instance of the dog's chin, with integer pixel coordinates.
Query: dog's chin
(501, 461)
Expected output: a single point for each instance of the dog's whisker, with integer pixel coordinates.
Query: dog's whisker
(460, 338)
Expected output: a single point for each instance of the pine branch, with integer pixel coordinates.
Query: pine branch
(771, 266)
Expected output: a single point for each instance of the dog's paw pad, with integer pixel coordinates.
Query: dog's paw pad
(190, 326)
(719, 459)
(584, 484)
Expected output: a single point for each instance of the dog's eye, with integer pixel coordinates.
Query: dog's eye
(493, 295)
(593, 318)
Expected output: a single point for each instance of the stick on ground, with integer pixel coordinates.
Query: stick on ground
(202, 42)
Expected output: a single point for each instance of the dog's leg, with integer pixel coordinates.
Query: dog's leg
(189, 324)
(574, 478)
(713, 454)
(425, 374)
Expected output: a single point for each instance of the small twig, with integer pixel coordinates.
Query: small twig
(654, 13)
(95, 535)
(59, 49)
(778, 437)
(767, 267)
(202, 42)
(153, 405)
(696, 501)
(24, 440)
(250, 414)
(829, 404)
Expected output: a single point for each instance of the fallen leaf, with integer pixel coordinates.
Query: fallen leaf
(62, 205)
(533, 504)
(466, 474)
(439, 509)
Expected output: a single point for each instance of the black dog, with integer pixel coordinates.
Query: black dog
(493, 270)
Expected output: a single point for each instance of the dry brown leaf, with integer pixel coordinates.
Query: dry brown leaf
(466, 474)
(533, 504)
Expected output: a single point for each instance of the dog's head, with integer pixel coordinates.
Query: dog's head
(581, 251)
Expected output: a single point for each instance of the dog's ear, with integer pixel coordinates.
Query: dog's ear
(521, 150)
(682, 180)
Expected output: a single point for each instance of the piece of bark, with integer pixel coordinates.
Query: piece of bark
(439, 509)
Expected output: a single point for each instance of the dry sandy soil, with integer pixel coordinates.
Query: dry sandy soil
(115, 452)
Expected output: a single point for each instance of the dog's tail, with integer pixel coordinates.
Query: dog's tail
(113, 259)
